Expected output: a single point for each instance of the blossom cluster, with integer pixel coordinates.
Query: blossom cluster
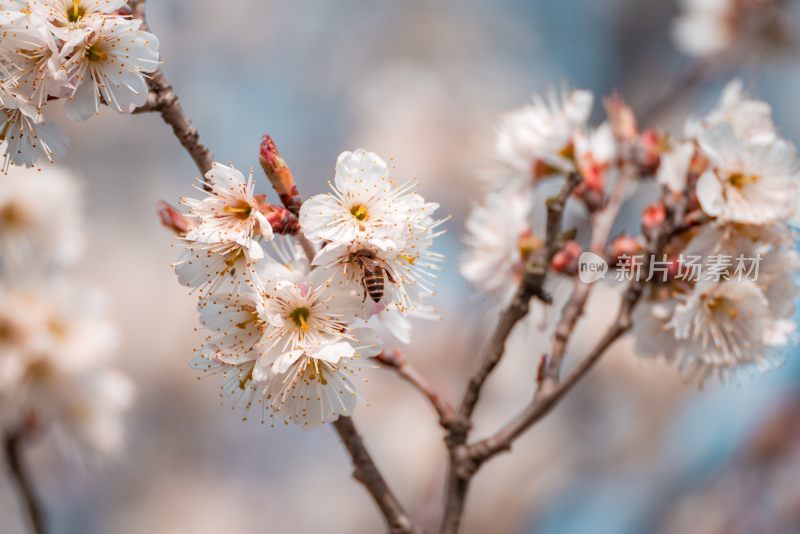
(733, 168)
(84, 52)
(536, 147)
(292, 318)
(56, 339)
(736, 180)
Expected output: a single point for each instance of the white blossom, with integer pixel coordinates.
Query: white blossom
(747, 182)
(499, 240)
(107, 65)
(39, 222)
(706, 27)
(538, 139)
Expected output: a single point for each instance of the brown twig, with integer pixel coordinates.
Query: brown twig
(12, 446)
(460, 469)
(367, 473)
(410, 374)
(163, 100)
(532, 286)
(602, 222)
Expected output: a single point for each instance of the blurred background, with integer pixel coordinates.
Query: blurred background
(635, 448)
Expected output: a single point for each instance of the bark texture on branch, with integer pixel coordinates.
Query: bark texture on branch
(367, 473)
(12, 448)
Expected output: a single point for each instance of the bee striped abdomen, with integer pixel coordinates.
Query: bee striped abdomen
(374, 284)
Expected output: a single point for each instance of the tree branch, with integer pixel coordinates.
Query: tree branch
(532, 286)
(410, 374)
(163, 100)
(460, 469)
(367, 473)
(12, 446)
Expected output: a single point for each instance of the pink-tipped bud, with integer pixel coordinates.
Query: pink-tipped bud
(649, 148)
(279, 175)
(653, 216)
(565, 261)
(283, 221)
(173, 219)
(620, 116)
(624, 245)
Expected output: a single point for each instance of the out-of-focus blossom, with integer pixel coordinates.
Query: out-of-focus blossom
(40, 223)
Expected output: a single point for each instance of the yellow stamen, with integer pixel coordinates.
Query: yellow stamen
(739, 180)
(4, 132)
(409, 259)
(247, 378)
(250, 320)
(243, 212)
(300, 317)
(359, 211)
(527, 244)
(75, 14)
(96, 54)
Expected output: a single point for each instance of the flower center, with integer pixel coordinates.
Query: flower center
(359, 211)
(12, 216)
(75, 12)
(300, 318)
(96, 54)
(240, 211)
(527, 244)
(721, 305)
(739, 180)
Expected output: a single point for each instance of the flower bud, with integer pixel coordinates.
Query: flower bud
(621, 117)
(283, 221)
(653, 216)
(173, 219)
(565, 261)
(624, 245)
(279, 175)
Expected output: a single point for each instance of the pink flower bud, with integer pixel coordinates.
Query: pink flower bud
(565, 261)
(621, 117)
(625, 245)
(653, 216)
(279, 175)
(173, 219)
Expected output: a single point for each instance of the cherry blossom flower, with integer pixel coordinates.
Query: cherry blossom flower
(365, 205)
(108, 66)
(499, 240)
(539, 139)
(747, 182)
(39, 222)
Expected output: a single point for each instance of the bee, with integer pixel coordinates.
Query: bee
(375, 275)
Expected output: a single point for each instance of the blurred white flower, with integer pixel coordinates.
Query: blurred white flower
(39, 222)
(499, 240)
(747, 182)
(750, 118)
(706, 27)
(61, 340)
(538, 139)
(721, 327)
(673, 170)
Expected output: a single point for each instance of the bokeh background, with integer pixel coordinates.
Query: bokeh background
(635, 448)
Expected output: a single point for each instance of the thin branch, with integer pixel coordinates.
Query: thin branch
(532, 286)
(460, 470)
(163, 100)
(367, 473)
(12, 446)
(602, 222)
(410, 374)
